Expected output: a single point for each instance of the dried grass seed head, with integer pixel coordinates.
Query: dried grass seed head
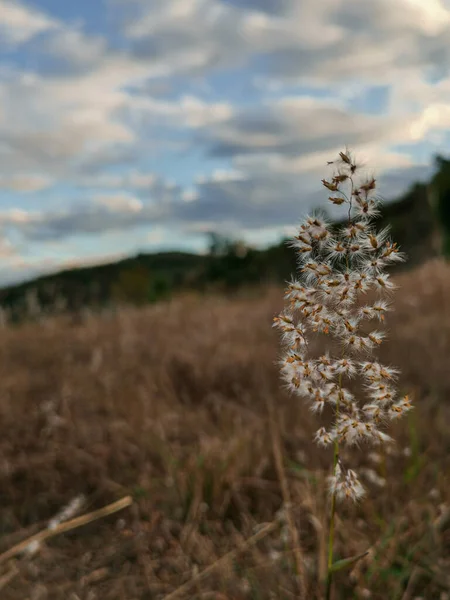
(338, 265)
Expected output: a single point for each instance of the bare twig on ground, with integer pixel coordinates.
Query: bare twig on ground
(67, 526)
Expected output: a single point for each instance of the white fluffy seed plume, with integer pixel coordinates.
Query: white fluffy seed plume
(338, 266)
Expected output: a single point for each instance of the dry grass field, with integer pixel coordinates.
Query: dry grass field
(171, 405)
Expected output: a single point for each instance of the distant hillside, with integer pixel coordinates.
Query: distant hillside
(414, 220)
(141, 277)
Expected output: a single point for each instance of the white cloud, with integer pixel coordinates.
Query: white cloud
(47, 123)
(74, 48)
(187, 111)
(139, 181)
(133, 179)
(20, 23)
(434, 117)
(189, 195)
(431, 16)
(25, 182)
(156, 235)
(17, 216)
(222, 175)
(119, 203)
(7, 249)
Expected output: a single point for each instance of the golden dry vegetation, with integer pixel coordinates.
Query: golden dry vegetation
(171, 405)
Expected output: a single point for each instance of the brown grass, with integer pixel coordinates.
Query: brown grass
(169, 404)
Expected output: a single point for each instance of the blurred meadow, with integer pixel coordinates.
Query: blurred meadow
(180, 405)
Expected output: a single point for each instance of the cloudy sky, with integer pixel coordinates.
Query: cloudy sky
(131, 125)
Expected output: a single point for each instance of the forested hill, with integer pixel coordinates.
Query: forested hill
(420, 220)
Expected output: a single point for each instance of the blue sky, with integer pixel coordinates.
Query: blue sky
(140, 125)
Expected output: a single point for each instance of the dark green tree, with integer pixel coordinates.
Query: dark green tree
(440, 199)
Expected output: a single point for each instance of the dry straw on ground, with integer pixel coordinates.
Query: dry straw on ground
(169, 404)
